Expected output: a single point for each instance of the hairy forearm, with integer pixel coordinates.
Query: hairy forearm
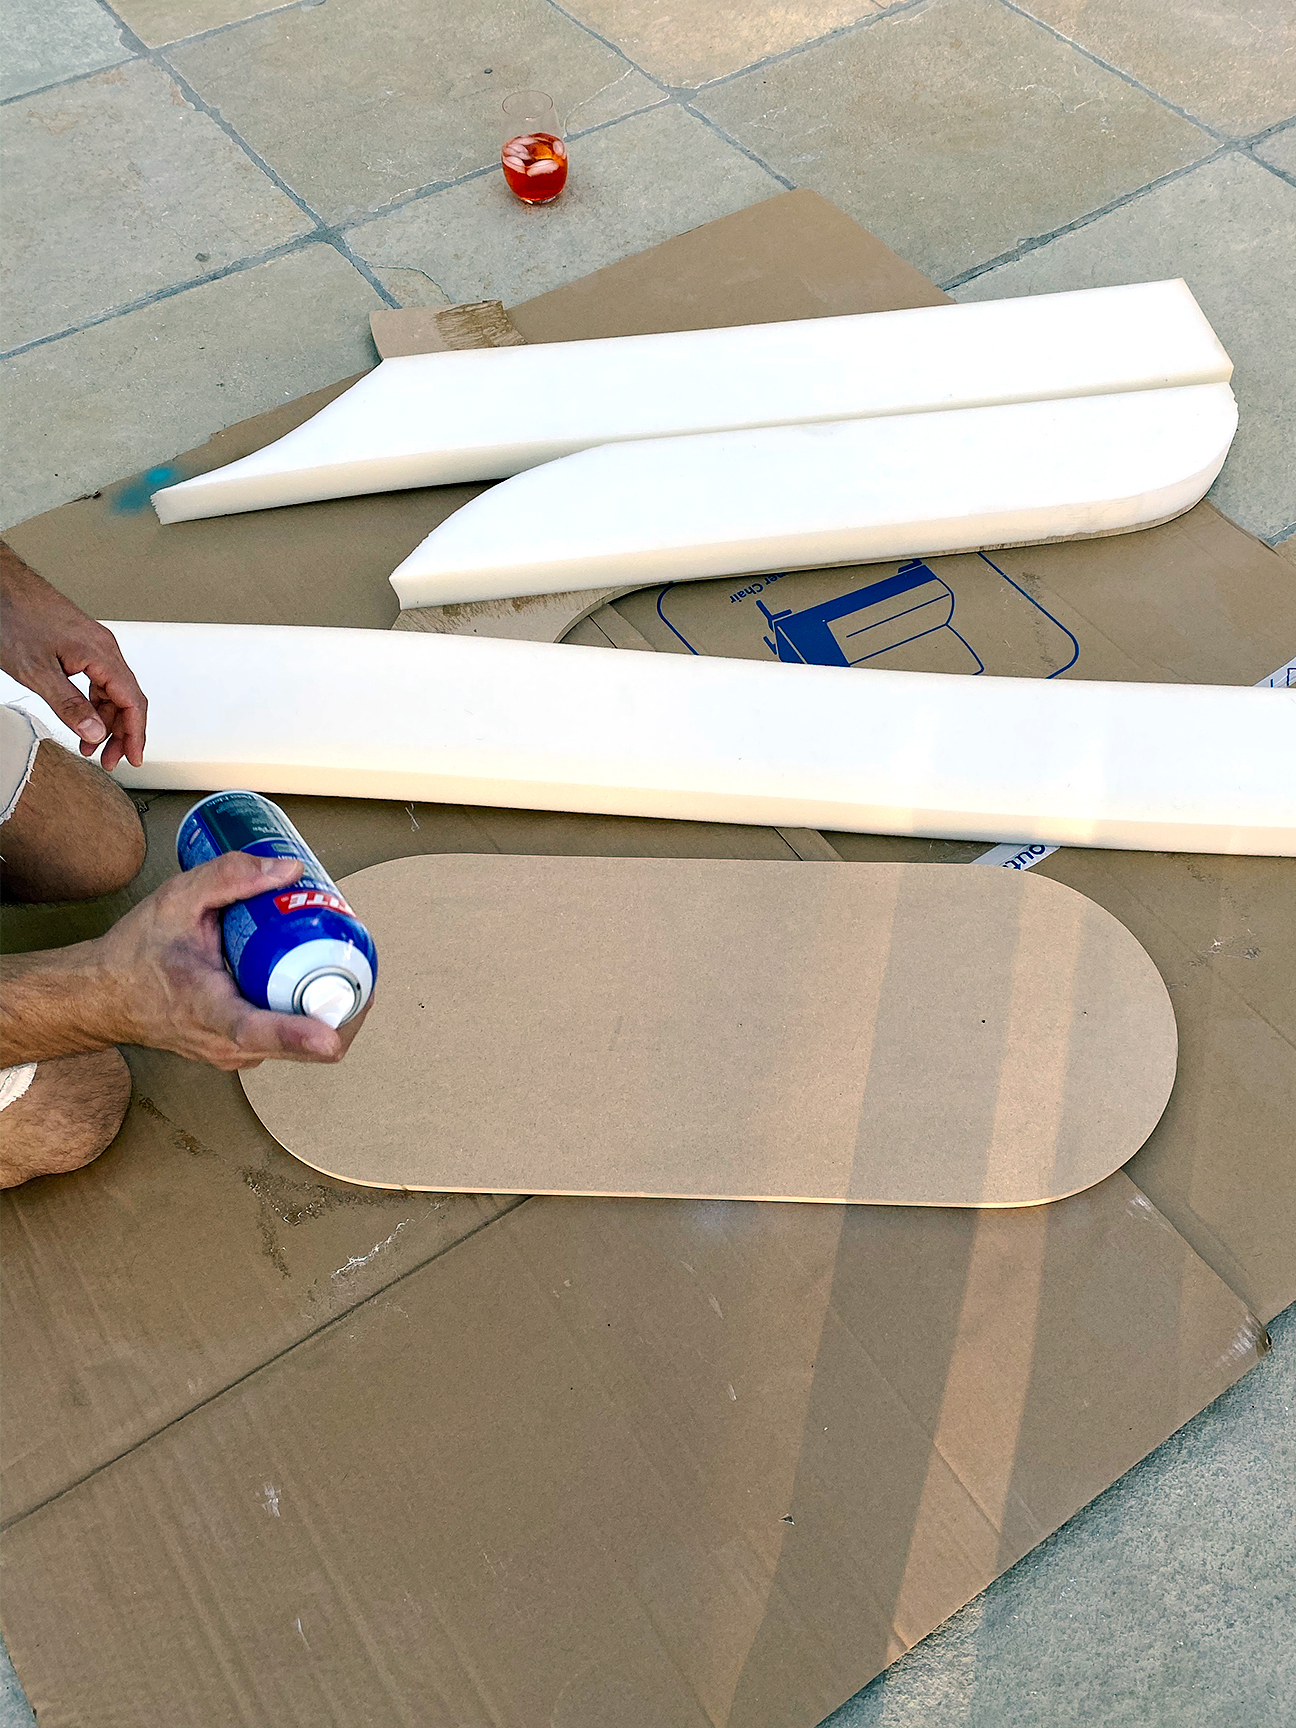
(56, 1003)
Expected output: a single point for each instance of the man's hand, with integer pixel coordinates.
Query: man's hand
(157, 979)
(47, 641)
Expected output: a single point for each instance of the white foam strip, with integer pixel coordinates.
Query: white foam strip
(848, 492)
(481, 414)
(533, 725)
(1018, 856)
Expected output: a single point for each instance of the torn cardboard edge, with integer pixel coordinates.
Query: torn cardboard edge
(439, 330)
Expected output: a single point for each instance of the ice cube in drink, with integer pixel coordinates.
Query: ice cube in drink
(535, 166)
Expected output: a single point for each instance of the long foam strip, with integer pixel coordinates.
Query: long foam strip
(848, 492)
(390, 714)
(433, 419)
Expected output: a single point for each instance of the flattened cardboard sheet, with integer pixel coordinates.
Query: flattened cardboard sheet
(625, 1464)
(899, 1034)
(942, 1387)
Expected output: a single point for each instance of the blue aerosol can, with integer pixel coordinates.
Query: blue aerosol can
(297, 950)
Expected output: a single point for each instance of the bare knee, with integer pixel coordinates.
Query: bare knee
(68, 1115)
(74, 833)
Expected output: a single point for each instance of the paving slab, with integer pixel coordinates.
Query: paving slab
(1231, 63)
(44, 41)
(955, 130)
(114, 188)
(406, 104)
(158, 22)
(1229, 229)
(15, 1711)
(110, 400)
(688, 45)
(477, 241)
(1167, 1600)
(1279, 151)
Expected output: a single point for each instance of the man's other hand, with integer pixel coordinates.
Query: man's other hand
(47, 641)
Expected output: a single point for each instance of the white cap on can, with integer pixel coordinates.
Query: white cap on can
(331, 999)
(342, 973)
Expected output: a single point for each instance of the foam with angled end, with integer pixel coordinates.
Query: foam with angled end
(433, 419)
(844, 492)
(472, 720)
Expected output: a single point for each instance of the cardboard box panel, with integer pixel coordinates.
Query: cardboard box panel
(614, 1462)
(1018, 1355)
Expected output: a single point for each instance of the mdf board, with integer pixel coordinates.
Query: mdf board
(903, 1034)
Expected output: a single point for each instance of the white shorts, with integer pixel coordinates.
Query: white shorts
(20, 738)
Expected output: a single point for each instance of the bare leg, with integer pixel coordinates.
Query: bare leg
(74, 834)
(68, 1115)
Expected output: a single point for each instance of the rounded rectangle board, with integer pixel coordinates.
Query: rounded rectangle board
(901, 1034)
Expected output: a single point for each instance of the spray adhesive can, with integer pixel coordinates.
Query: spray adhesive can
(300, 949)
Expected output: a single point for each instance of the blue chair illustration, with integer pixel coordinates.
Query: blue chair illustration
(859, 628)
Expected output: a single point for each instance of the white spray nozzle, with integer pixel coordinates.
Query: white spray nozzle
(331, 999)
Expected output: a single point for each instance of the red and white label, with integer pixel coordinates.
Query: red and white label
(313, 898)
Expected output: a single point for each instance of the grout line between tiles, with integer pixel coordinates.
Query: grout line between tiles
(340, 243)
(66, 83)
(333, 1320)
(155, 295)
(1033, 244)
(837, 35)
(324, 231)
(1287, 179)
(631, 114)
(608, 43)
(233, 24)
(335, 235)
(1117, 71)
(432, 188)
(735, 144)
(681, 95)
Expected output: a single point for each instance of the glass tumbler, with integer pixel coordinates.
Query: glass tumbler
(534, 157)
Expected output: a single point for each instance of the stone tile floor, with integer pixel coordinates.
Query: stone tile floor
(204, 199)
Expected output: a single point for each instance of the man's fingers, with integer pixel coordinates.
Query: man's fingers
(288, 1037)
(235, 876)
(126, 728)
(135, 723)
(117, 686)
(72, 708)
